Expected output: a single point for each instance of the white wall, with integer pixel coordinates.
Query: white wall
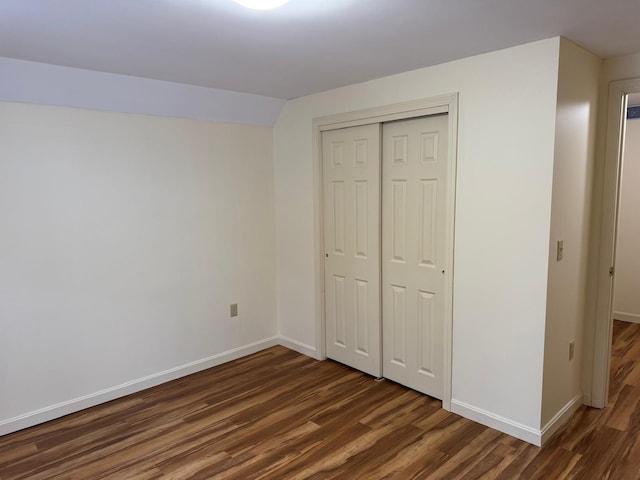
(626, 303)
(620, 68)
(576, 117)
(123, 240)
(504, 181)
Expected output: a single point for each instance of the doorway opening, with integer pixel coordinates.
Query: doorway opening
(615, 272)
(625, 351)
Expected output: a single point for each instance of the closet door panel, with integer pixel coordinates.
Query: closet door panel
(351, 177)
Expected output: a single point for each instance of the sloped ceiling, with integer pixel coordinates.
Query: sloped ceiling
(306, 46)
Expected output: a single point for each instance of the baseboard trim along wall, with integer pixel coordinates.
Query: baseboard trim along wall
(299, 347)
(536, 437)
(627, 317)
(497, 422)
(74, 405)
(561, 417)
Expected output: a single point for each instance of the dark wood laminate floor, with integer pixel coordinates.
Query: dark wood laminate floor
(280, 415)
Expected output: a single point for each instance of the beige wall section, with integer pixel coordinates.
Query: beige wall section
(123, 240)
(576, 117)
(505, 167)
(621, 68)
(626, 303)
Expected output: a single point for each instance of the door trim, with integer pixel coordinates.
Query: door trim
(608, 217)
(399, 111)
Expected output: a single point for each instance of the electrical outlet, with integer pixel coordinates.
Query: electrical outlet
(572, 349)
(234, 309)
(560, 251)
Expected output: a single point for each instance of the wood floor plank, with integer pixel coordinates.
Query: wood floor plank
(278, 415)
(523, 456)
(625, 406)
(599, 459)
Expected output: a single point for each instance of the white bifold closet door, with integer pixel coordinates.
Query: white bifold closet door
(351, 170)
(414, 170)
(384, 304)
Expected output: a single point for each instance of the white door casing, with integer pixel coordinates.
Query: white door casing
(351, 173)
(414, 209)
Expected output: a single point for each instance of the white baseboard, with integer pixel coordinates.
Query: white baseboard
(560, 418)
(297, 346)
(497, 422)
(74, 405)
(626, 317)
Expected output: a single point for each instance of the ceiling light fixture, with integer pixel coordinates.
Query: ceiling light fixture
(261, 4)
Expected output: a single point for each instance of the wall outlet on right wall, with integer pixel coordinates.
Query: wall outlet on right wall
(560, 250)
(572, 349)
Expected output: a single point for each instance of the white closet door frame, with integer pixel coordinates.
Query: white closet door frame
(419, 108)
